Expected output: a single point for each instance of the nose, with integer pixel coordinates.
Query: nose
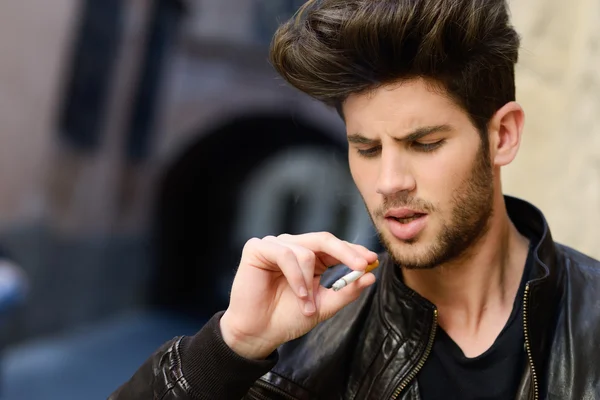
(394, 175)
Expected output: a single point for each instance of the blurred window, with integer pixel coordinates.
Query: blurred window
(93, 61)
(163, 32)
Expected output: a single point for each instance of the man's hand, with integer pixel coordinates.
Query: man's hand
(276, 296)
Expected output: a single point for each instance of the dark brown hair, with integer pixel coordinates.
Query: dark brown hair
(468, 48)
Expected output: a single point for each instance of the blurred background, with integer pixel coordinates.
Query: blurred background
(142, 142)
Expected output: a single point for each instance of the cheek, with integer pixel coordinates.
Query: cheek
(441, 175)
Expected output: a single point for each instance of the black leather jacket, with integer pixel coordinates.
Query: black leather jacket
(375, 347)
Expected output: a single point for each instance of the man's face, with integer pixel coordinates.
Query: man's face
(422, 170)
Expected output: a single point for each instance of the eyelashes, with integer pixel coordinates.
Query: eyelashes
(416, 146)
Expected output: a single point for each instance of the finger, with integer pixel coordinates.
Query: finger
(306, 260)
(331, 250)
(305, 254)
(275, 257)
(330, 303)
(369, 255)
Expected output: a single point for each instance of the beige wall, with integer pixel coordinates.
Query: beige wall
(558, 84)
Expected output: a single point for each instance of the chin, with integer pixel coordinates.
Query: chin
(418, 253)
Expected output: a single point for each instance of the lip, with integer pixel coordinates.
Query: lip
(409, 231)
(401, 213)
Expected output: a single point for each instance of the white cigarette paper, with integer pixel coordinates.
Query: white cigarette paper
(353, 276)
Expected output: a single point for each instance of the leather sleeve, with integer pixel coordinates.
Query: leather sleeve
(198, 367)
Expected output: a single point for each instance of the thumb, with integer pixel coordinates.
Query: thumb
(331, 302)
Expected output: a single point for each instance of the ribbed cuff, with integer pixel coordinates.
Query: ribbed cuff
(213, 370)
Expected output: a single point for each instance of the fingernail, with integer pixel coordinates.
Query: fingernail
(303, 292)
(309, 307)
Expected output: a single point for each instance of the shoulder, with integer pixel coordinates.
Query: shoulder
(576, 341)
(579, 288)
(579, 267)
(580, 283)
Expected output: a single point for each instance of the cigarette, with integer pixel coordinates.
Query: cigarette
(352, 276)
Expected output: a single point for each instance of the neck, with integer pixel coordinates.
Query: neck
(475, 293)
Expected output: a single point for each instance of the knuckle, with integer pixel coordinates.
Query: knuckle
(269, 238)
(287, 253)
(251, 245)
(252, 242)
(284, 236)
(327, 237)
(307, 257)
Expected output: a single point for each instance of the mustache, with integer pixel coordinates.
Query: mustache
(404, 201)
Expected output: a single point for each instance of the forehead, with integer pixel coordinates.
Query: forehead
(402, 107)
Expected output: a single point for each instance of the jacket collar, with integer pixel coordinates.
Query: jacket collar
(545, 281)
(412, 316)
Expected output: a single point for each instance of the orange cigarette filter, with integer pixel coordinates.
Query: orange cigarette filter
(372, 266)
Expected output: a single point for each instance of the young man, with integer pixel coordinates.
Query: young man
(473, 298)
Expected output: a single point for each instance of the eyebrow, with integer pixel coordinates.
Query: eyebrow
(415, 135)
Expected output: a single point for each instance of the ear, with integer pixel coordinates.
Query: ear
(505, 130)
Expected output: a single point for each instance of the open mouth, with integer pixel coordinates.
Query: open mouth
(408, 218)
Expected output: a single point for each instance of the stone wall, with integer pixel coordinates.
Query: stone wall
(558, 84)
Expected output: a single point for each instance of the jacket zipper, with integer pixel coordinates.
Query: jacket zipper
(422, 360)
(528, 345)
(271, 388)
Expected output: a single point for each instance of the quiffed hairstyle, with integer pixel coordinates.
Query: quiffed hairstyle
(468, 48)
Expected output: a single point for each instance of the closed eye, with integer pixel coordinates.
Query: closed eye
(370, 152)
(417, 146)
(427, 147)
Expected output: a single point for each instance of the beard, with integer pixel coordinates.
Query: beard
(471, 210)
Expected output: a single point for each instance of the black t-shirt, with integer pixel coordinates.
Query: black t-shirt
(493, 375)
